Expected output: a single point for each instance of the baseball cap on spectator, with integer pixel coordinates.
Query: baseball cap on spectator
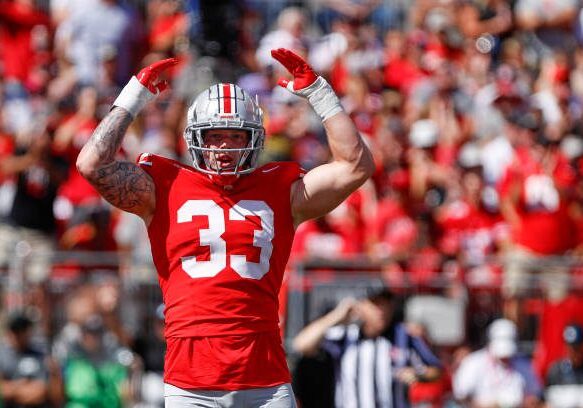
(423, 133)
(502, 338)
(573, 335)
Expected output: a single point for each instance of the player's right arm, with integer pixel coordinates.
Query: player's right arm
(124, 184)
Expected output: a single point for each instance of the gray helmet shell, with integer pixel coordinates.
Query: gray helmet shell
(224, 106)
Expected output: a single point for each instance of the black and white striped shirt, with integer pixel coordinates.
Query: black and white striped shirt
(365, 367)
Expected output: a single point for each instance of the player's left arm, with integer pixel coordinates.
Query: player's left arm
(323, 188)
(326, 186)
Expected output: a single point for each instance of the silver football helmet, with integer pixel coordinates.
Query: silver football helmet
(224, 106)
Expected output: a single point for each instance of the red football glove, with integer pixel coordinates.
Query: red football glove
(149, 76)
(144, 87)
(304, 75)
(308, 84)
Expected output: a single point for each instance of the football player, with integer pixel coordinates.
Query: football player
(221, 229)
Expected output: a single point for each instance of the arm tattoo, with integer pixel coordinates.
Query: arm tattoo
(123, 184)
(106, 139)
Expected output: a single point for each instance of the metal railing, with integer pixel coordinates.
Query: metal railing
(314, 286)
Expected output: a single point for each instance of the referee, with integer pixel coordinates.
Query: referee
(375, 358)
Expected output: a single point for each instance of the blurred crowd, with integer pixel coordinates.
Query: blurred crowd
(473, 109)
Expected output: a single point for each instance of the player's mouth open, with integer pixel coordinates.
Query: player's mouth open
(225, 161)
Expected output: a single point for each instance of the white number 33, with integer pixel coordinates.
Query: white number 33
(212, 237)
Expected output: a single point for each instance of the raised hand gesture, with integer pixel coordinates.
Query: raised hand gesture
(149, 76)
(144, 87)
(307, 83)
(303, 74)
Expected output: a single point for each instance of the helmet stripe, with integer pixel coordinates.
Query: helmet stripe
(227, 98)
(235, 97)
(218, 97)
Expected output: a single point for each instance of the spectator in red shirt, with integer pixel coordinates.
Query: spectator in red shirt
(322, 239)
(470, 229)
(402, 62)
(168, 23)
(534, 202)
(18, 20)
(549, 345)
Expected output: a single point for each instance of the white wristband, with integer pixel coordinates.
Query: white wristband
(133, 97)
(321, 96)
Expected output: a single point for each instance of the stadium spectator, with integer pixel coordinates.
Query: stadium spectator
(131, 237)
(95, 299)
(39, 171)
(225, 135)
(289, 33)
(376, 357)
(496, 375)
(168, 25)
(471, 230)
(78, 307)
(89, 33)
(96, 373)
(70, 135)
(555, 316)
(534, 194)
(24, 34)
(391, 229)
(381, 15)
(564, 382)
(490, 17)
(151, 348)
(321, 239)
(550, 28)
(28, 377)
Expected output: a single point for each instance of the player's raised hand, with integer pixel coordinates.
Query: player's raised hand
(307, 83)
(303, 74)
(144, 86)
(149, 76)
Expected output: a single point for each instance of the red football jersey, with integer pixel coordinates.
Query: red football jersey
(220, 254)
